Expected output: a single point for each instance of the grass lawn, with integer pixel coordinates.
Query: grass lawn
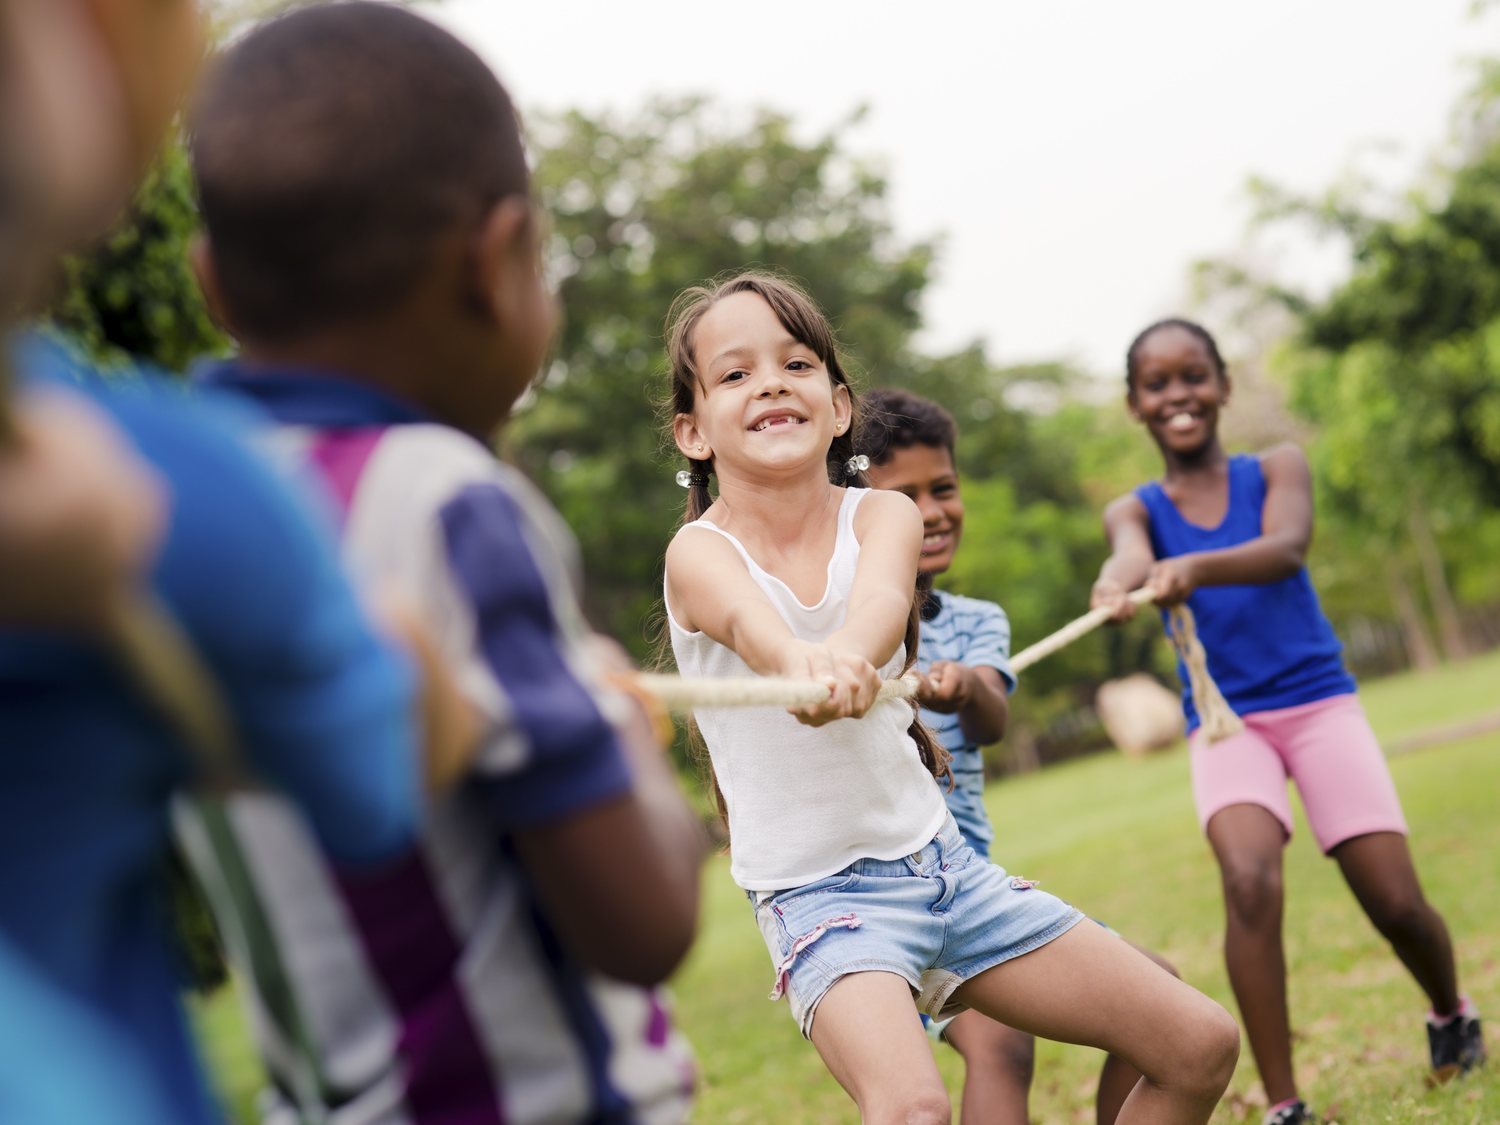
(1119, 838)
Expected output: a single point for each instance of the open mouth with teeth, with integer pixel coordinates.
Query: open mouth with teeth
(773, 421)
(1181, 422)
(936, 541)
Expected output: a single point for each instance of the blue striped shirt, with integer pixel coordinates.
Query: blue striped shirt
(976, 633)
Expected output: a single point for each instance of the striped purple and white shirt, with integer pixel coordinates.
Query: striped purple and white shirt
(432, 990)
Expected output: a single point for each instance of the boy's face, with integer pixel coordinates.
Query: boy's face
(926, 474)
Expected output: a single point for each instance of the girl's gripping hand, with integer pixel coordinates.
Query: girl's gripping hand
(1174, 580)
(853, 682)
(1111, 595)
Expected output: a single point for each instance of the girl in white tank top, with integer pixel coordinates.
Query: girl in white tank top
(862, 886)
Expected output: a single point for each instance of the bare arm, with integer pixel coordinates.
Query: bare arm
(976, 692)
(1127, 526)
(710, 590)
(889, 528)
(450, 725)
(1277, 553)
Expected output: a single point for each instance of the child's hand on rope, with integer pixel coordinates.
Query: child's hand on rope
(1174, 580)
(81, 517)
(647, 716)
(853, 682)
(452, 729)
(1111, 595)
(946, 688)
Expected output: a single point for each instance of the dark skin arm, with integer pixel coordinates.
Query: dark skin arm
(619, 880)
(976, 693)
(1277, 553)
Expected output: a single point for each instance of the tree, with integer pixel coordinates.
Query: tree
(134, 295)
(640, 206)
(1399, 368)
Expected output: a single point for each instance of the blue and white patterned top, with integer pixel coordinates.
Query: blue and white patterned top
(976, 633)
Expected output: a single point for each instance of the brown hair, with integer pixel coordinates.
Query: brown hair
(800, 315)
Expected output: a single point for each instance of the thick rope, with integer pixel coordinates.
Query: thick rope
(1214, 713)
(681, 695)
(1071, 632)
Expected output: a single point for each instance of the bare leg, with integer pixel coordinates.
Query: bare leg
(998, 1065)
(1248, 842)
(1379, 871)
(1088, 986)
(871, 1042)
(1117, 1077)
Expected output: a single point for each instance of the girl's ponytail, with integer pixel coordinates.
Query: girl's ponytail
(699, 499)
(934, 754)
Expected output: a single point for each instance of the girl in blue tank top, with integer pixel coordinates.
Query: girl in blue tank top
(1228, 535)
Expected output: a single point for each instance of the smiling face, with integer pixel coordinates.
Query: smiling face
(764, 400)
(1177, 390)
(926, 474)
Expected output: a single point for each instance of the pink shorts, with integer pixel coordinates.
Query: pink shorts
(1326, 747)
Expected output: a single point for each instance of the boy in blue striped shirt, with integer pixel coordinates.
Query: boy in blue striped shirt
(964, 656)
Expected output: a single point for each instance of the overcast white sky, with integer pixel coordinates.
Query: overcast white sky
(1076, 157)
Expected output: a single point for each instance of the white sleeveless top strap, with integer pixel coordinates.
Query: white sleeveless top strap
(805, 802)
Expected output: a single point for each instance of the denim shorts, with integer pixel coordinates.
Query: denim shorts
(936, 918)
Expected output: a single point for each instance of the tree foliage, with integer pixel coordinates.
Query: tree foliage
(134, 295)
(640, 206)
(1398, 368)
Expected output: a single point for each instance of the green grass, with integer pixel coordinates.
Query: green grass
(1118, 837)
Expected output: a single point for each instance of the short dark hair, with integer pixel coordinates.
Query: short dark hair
(896, 419)
(1189, 326)
(333, 147)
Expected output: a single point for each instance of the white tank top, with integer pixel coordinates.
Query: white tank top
(805, 802)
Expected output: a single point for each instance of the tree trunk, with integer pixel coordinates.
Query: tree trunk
(1419, 647)
(1439, 593)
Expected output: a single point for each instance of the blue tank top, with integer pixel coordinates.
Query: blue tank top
(1269, 646)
